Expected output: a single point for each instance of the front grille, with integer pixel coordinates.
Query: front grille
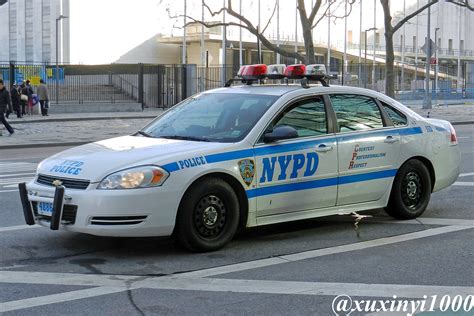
(117, 220)
(68, 183)
(68, 217)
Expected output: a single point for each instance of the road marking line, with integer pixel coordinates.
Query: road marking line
(58, 298)
(117, 283)
(469, 184)
(435, 221)
(10, 159)
(78, 279)
(16, 174)
(322, 252)
(6, 191)
(389, 220)
(466, 174)
(14, 180)
(18, 227)
(305, 288)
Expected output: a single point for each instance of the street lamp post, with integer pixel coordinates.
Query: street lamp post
(365, 54)
(436, 66)
(427, 101)
(59, 18)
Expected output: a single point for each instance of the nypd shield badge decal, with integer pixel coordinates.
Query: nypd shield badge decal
(247, 170)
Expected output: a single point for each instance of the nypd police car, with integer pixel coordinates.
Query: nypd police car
(247, 155)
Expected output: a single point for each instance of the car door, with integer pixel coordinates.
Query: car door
(368, 148)
(300, 173)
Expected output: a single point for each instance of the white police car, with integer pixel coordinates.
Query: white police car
(244, 156)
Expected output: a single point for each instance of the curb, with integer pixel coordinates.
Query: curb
(76, 119)
(462, 123)
(42, 145)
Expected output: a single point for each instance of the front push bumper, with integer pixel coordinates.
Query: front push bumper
(115, 213)
(58, 206)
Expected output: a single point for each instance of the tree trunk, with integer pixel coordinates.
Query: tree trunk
(307, 33)
(389, 66)
(389, 54)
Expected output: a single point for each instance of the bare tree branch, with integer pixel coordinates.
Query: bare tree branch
(213, 13)
(252, 29)
(315, 9)
(462, 3)
(269, 20)
(411, 15)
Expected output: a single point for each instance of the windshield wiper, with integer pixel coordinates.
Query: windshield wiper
(144, 134)
(194, 138)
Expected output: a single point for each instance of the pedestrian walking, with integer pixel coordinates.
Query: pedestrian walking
(15, 96)
(43, 95)
(5, 105)
(23, 97)
(30, 97)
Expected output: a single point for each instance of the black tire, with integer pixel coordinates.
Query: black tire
(208, 216)
(411, 191)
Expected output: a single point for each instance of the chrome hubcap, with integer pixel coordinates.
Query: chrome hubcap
(411, 189)
(209, 216)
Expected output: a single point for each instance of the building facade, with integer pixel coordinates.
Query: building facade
(28, 31)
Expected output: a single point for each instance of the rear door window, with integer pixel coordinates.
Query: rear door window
(397, 117)
(356, 112)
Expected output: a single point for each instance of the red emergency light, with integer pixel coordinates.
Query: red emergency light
(295, 71)
(253, 72)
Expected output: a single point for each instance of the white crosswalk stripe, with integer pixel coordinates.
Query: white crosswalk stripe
(10, 167)
(13, 172)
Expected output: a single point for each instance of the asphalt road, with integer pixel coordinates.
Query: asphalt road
(297, 268)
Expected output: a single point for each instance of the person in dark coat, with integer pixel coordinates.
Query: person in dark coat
(5, 105)
(30, 93)
(23, 97)
(15, 96)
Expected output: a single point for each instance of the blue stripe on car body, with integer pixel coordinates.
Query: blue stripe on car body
(320, 183)
(282, 148)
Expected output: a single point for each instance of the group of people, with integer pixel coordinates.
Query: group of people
(21, 100)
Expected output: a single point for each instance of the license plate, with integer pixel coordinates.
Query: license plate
(45, 208)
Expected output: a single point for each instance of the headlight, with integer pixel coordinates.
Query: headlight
(138, 177)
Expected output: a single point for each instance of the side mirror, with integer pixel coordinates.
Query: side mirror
(280, 133)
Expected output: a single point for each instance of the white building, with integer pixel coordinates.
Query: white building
(28, 31)
(451, 23)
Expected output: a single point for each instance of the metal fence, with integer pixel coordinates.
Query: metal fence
(409, 79)
(165, 85)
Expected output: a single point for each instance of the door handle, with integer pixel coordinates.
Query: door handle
(390, 140)
(324, 148)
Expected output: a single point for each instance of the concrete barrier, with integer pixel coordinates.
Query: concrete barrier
(94, 107)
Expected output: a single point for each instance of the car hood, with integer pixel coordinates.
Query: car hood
(96, 160)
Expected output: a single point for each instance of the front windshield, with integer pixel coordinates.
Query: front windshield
(214, 117)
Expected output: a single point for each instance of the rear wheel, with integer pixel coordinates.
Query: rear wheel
(411, 191)
(208, 216)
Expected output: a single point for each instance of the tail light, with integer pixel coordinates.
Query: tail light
(454, 138)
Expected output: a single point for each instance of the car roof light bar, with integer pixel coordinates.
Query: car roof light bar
(249, 73)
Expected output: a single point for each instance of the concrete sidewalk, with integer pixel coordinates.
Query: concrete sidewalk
(76, 129)
(72, 117)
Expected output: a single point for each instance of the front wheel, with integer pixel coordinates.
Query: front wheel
(411, 191)
(208, 216)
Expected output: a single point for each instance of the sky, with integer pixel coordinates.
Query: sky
(103, 30)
